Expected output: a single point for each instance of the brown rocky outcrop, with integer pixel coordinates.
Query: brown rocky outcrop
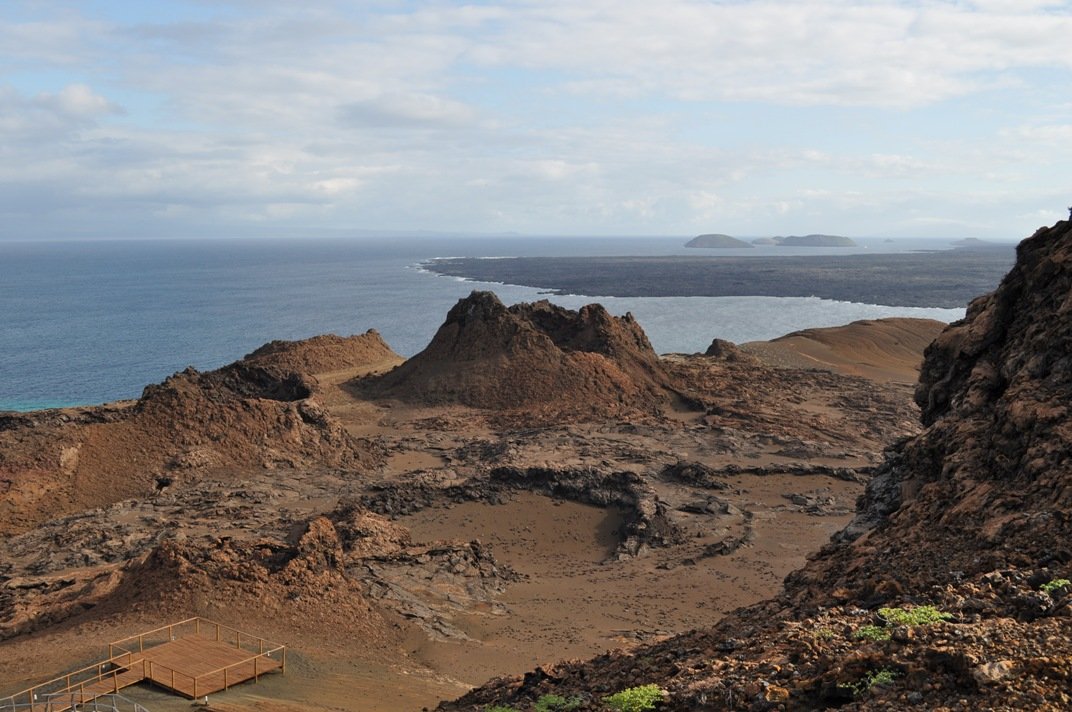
(254, 414)
(988, 483)
(540, 357)
(972, 516)
(297, 581)
(728, 351)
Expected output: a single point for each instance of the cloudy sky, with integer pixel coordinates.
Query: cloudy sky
(632, 117)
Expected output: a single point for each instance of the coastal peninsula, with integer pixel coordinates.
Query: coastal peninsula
(947, 278)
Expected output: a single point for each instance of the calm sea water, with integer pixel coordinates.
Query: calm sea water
(89, 322)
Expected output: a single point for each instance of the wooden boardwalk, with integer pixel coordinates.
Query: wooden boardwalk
(199, 665)
(104, 703)
(192, 658)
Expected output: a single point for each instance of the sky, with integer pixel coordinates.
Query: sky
(218, 118)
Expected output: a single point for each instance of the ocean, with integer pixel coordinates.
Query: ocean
(95, 321)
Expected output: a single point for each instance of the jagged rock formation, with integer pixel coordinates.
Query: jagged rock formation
(256, 413)
(988, 484)
(728, 351)
(539, 357)
(973, 515)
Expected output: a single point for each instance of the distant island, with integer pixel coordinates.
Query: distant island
(721, 241)
(972, 243)
(716, 241)
(815, 240)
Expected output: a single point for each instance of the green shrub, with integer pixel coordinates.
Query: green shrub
(920, 615)
(635, 699)
(557, 703)
(880, 677)
(872, 632)
(1052, 586)
(875, 677)
(825, 633)
(499, 708)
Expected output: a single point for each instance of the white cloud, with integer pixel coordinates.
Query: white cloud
(1054, 133)
(407, 110)
(875, 53)
(601, 116)
(78, 100)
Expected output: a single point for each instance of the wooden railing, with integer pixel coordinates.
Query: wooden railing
(125, 656)
(210, 629)
(64, 701)
(73, 682)
(196, 626)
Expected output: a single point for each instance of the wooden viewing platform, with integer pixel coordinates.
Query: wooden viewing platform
(193, 658)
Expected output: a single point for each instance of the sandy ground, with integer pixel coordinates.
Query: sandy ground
(577, 602)
(888, 350)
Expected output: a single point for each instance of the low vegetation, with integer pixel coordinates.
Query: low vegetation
(1055, 585)
(872, 633)
(557, 703)
(635, 699)
(884, 676)
(920, 615)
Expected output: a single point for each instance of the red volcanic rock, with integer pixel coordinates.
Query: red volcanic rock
(486, 355)
(988, 483)
(260, 412)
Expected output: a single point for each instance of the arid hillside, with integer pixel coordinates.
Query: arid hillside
(880, 349)
(950, 588)
(261, 412)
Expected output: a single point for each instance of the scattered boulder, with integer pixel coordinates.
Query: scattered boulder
(728, 351)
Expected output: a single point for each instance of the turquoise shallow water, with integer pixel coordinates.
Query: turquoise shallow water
(89, 322)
